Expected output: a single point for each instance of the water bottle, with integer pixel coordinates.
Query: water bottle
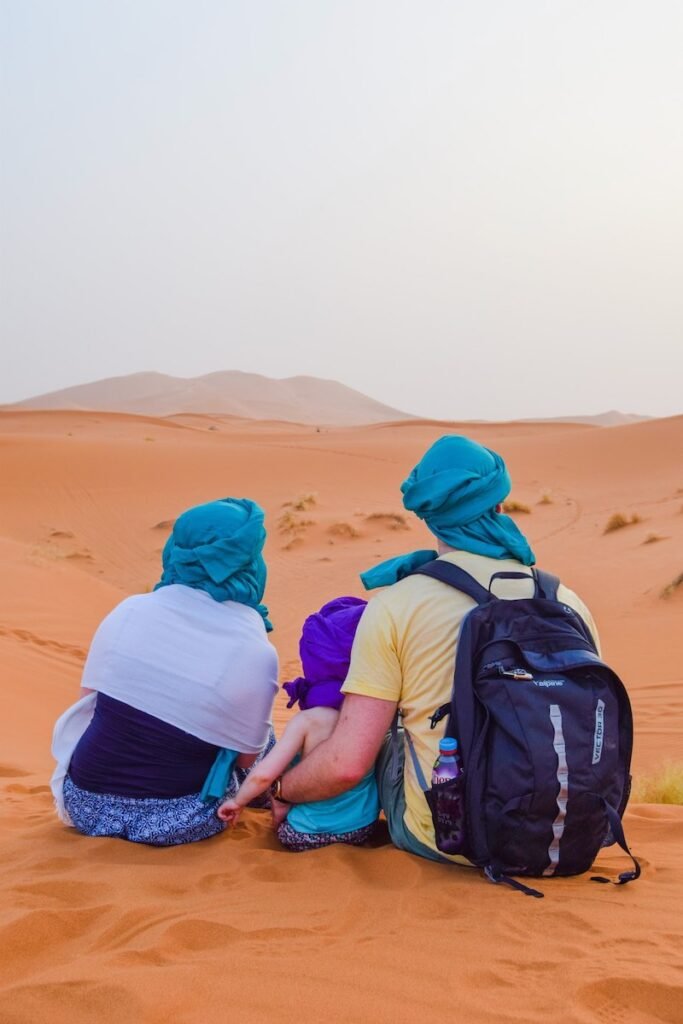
(448, 809)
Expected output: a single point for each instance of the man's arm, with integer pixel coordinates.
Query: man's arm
(347, 756)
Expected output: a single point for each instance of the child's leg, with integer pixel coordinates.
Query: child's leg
(297, 842)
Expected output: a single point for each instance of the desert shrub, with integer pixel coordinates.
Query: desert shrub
(618, 521)
(512, 506)
(296, 541)
(394, 520)
(302, 503)
(672, 587)
(343, 530)
(289, 523)
(652, 538)
(545, 499)
(664, 786)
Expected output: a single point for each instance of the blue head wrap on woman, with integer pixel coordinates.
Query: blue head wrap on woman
(455, 488)
(217, 548)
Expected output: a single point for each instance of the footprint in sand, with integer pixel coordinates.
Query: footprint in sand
(632, 1001)
(71, 894)
(40, 641)
(27, 790)
(28, 939)
(131, 925)
(71, 1000)
(80, 556)
(165, 524)
(196, 934)
(6, 772)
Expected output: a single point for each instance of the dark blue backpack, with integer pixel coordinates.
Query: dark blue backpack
(545, 732)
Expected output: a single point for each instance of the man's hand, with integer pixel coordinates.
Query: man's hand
(278, 811)
(229, 812)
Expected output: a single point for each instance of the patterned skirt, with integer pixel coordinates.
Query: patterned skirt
(298, 842)
(167, 821)
(159, 822)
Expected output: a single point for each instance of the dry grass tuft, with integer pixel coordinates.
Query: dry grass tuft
(393, 520)
(302, 503)
(652, 538)
(289, 523)
(672, 587)
(513, 506)
(62, 534)
(165, 524)
(343, 530)
(619, 521)
(664, 786)
(545, 499)
(295, 542)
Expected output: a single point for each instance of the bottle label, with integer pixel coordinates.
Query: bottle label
(446, 802)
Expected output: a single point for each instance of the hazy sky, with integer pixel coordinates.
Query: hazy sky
(465, 208)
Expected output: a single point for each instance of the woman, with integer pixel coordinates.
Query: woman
(179, 686)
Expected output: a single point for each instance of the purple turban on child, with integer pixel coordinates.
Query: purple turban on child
(325, 649)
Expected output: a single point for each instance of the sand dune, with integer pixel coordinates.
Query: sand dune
(297, 399)
(98, 930)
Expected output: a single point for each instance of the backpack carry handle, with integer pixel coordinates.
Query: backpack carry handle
(515, 576)
(545, 583)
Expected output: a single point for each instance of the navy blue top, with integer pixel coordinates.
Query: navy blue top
(130, 753)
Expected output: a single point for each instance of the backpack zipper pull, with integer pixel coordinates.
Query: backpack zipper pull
(520, 674)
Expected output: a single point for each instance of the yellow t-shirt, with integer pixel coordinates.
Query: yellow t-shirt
(404, 651)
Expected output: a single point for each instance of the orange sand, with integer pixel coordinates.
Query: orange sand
(234, 929)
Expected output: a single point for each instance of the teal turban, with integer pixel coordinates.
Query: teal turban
(455, 488)
(217, 548)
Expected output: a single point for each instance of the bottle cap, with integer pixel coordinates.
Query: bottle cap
(448, 746)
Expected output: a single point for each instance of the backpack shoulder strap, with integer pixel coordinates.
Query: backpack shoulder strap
(455, 577)
(547, 584)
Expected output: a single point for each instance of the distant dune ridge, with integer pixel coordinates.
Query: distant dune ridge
(311, 400)
(612, 418)
(228, 392)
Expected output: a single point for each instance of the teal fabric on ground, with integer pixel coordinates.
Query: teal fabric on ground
(347, 812)
(217, 548)
(217, 781)
(455, 488)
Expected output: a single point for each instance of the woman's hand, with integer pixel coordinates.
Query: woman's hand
(229, 812)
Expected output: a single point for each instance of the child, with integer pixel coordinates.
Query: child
(325, 648)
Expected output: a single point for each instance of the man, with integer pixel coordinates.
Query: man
(404, 651)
